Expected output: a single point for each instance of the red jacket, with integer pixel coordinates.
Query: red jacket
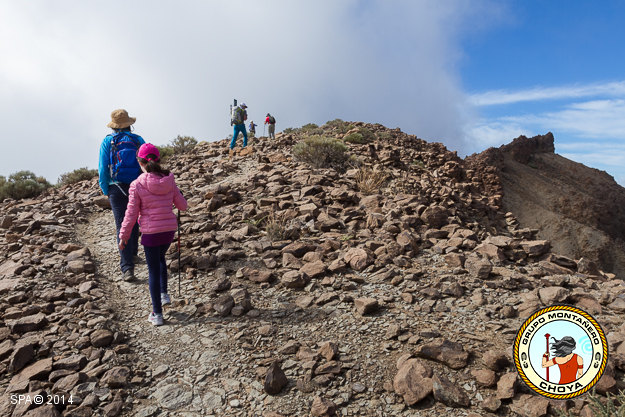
(150, 199)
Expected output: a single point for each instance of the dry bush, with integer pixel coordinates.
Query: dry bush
(77, 175)
(369, 181)
(275, 226)
(322, 152)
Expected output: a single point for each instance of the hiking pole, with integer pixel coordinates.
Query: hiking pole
(179, 267)
(547, 343)
(264, 125)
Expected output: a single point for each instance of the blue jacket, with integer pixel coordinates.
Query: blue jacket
(104, 162)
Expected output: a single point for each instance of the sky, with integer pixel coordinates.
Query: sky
(468, 73)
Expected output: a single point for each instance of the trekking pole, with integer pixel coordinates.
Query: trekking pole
(547, 343)
(179, 267)
(264, 125)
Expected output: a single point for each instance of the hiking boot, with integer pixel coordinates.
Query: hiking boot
(129, 275)
(165, 299)
(155, 319)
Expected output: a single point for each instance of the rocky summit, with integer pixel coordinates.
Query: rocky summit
(392, 285)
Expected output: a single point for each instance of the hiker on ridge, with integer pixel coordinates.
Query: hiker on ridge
(150, 201)
(252, 128)
(117, 168)
(271, 121)
(239, 116)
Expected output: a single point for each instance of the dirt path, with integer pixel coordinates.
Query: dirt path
(206, 365)
(176, 354)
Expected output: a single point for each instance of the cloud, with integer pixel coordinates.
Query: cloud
(176, 66)
(498, 97)
(493, 134)
(597, 118)
(588, 131)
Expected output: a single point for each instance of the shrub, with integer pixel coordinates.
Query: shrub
(77, 175)
(385, 135)
(183, 143)
(363, 135)
(165, 151)
(275, 226)
(321, 152)
(22, 184)
(369, 181)
(355, 138)
(339, 125)
(613, 406)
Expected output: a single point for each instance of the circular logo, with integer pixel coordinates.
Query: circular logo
(560, 352)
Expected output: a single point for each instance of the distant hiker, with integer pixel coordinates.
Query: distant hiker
(239, 116)
(117, 168)
(271, 121)
(150, 201)
(252, 128)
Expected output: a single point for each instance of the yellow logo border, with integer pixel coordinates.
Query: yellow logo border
(517, 361)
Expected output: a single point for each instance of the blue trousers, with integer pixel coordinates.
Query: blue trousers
(237, 129)
(119, 201)
(157, 274)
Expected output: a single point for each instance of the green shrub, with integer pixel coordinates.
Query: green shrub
(183, 143)
(385, 135)
(77, 175)
(354, 138)
(321, 152)
(339, 125)
(165, 151)
(311, 129)
(22, 184)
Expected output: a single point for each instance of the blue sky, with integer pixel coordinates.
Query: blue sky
(552, 66)
(468, 73)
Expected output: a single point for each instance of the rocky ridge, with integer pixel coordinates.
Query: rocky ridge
(579, 209)
(401, 302)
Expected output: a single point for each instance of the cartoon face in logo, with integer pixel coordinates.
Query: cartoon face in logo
(560, 352)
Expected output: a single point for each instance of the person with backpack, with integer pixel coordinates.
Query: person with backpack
(271, 121)
(117, 168)
(252, 129)
(239, 116)
(150, 201)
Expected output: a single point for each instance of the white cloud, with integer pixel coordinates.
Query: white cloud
(177, 65)
(493, 134)
(498, 97)
(597, 118)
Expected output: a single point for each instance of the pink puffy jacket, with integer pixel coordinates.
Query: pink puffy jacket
(150, 199)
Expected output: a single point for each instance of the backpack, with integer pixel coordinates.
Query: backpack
(272, 120)
(237, 116)
(123, 165)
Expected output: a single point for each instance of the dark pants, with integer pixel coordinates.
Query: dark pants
(119, 201)
(157, 273)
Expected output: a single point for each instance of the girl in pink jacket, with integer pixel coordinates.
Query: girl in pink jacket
(150, 200)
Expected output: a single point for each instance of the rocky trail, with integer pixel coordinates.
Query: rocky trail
(301, 294)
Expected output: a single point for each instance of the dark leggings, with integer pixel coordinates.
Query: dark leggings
(157, 272)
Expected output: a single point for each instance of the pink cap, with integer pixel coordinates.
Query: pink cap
(148, 149)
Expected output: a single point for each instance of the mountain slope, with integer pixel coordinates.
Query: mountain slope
(287, 266)
(581, 210)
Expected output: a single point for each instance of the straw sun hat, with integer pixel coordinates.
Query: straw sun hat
(120, 119)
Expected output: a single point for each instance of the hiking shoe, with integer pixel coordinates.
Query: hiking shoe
(165, 299)
(155, 319)
(129, 275)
